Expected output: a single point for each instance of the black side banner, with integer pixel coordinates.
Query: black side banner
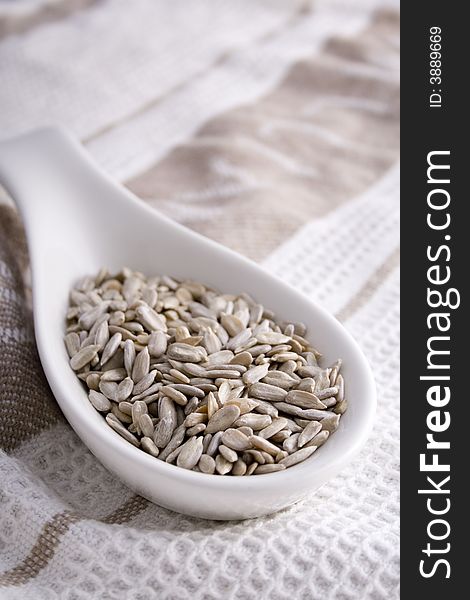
(434, 290)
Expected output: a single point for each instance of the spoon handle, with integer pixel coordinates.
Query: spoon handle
(52, 179)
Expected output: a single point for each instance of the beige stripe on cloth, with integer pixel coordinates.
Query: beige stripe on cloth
(26, 406)
(16, 23)
(260, 171)
(53, 531)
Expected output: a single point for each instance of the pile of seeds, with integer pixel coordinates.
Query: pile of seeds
(207, 381)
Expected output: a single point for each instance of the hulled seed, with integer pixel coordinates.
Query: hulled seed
(211, 382)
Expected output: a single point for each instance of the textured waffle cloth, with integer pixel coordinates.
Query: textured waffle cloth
(270, 126)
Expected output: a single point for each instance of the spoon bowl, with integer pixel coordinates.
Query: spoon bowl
(78, 220)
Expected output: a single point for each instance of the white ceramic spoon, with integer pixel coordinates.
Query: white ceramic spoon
(77, 220)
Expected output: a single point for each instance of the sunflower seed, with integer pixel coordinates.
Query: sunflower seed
(134, 327)
(304, 399)
(124, 389)
(206, 464)
(232, 324)
(144, 383)
(195, 419)
(150, 319)
(298, 456)
(279, 379)
(179, 376)
(272, 338)
(222, 465)
(330, 423)
(151, 391)
(184, 295)
(109, 389)
(262, 469)
(293, 426)
(280, 436)
(164, 431)
(306, 385)
(322, 381)
(243, 358)
(235, 439)
(125, 407)
(239, 368)
(194, 369)
(276, 426)
(239, 467)
(141, 365)
(224, 393)
(250, 470)
(341, 407)
(89, 317)
(188, 390)
(269, 459)
(222, 373)
(145, 424)
(228, 453)
(263, 444)
(114, 375)
(195, 429)
(214, 443)
(129, 356)
(326, 392)
(178, 397)
(308, 433)
(111, 348)
(172, 456)
(219, 358)
(93, 381)
(211, 342)
(139, 408)
(240, 340)
(191, 406)
(186, 353)
(266, 408)
(212, 406)
(72, 343)
(254, 455)
(223, 418)
(254, 421)
(191, 452)
(285, 357)
(291, 443)
(175, 442)
(99, 401)
(83, 357)
(340, 385)
(244, 404)
(319, 439)
(147, 444)
(254, 374)
(309, 413)
(157, 344)
(270, 393)
(123, 432)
